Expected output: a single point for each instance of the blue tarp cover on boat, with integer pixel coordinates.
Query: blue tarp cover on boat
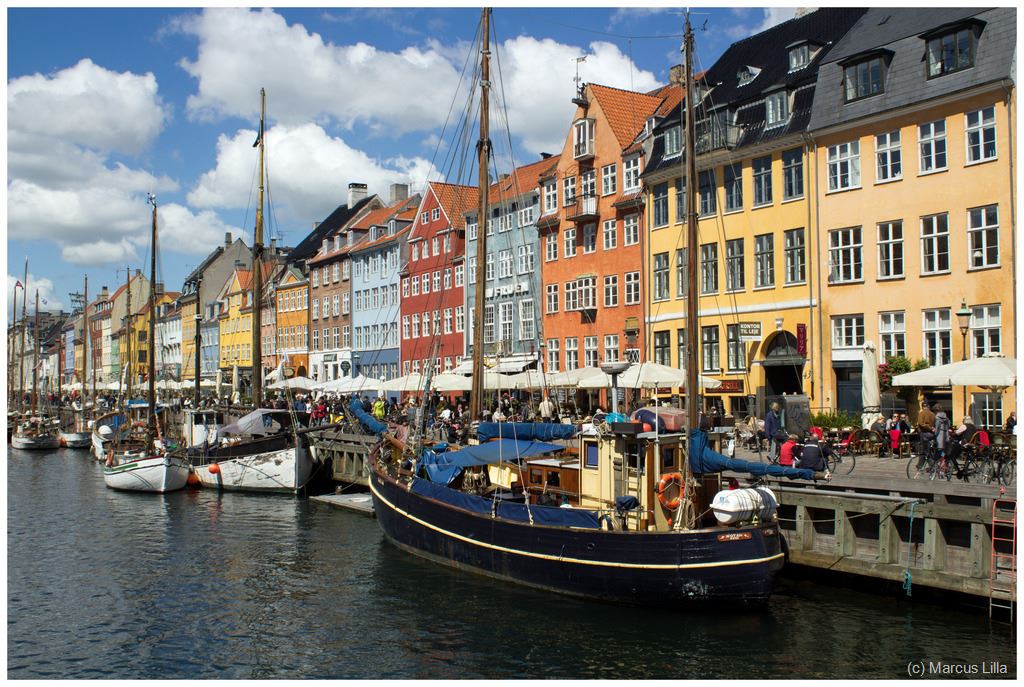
(368, 421)
(704, 460)
(442, 468)
(528, 431)
(542, 515)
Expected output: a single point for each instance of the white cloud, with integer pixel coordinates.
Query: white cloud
(183, 231)
(309, 172)
(308, 79)
(90, 106)
(47, 298)
(100, 253)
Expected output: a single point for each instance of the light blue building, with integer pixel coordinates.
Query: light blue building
(377, 262)
(209, 333)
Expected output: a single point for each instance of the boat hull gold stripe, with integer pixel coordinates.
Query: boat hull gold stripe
(566, 559)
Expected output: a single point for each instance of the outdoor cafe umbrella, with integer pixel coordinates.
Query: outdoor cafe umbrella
(301, 383)
(597, 378)
(530, 379)
(994, 372)
(411, 382)
(870, 395)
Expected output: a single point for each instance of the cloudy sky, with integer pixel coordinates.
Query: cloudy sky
(107, 105)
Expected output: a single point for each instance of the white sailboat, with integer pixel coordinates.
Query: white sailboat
(258, 460)
(36, 432)
(79, 436)
(149, 469)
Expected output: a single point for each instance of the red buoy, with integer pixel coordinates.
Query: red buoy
(648, 428)
(193, 479)
(214, 469)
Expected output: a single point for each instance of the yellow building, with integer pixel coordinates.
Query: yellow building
(292, 320)
(915, 161)
(138, 329)
(236, 322)
(755, 218)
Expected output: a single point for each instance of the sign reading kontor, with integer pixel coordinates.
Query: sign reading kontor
(750, 331)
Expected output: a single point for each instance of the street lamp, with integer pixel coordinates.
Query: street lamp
(963, 319)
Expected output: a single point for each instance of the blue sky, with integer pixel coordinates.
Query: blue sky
(107, 105)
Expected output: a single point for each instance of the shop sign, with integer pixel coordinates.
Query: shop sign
(330, 357)
(750, 331)
(801, 340)
(728, 386)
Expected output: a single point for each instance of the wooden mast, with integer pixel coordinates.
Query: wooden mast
(35, 359)
(24, 326)
(85, 340)
(151, 336)
(128, 337)
(257, 274)
(197, 339)
(12, 348)
(692, 409)
(484, 153)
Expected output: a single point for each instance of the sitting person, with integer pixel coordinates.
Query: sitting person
(813, 455)
(789, 452)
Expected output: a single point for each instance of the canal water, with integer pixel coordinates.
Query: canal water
(195, 584)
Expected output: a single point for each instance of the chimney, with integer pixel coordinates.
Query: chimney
(545, 156)
(316, 224)
(399, 192)
(104, 293)
(356, 192)
(273, 244)
(675, 75)
(138, 272)
(159, 288)
(227, 239)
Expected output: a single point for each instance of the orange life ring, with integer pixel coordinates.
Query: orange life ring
(666, 481)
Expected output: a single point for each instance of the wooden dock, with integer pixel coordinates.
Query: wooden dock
(877, 523)
(357, 503)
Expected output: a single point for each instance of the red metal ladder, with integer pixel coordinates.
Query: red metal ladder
(1003, 569)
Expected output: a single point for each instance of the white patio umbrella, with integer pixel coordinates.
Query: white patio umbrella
(220, 380)
(350, 385)
(235, 381)
(576, 377)
(653, 375)
(988, 371)
(300, 383)
(208, 383)
(275, 375)
(451, 382)
(870, 395)
(530, 379)
(413, 381)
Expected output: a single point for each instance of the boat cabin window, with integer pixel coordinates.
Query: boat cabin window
(536, 476)
(668, 458)
(553, 478)
(633, 456)
(591, 454)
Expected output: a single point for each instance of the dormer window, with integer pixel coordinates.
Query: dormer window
(337, 242)
(583, 138)
(392, 225)
(672, 142)
(747, 74)
(799, 57)
(348, 238)
(864, 76)
(952, 48)
(776, 108)
(649, 126)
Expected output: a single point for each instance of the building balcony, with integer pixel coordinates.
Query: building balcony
(582, 209)
(583, 150)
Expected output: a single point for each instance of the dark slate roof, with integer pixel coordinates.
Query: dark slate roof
(906, 82)
(767, 51)
(308, 247)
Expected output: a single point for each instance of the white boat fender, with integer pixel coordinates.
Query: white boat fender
(733, 506)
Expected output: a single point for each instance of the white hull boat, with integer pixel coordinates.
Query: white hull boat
(284, 471)
(76, 439)
(157, 474)
(35, 442)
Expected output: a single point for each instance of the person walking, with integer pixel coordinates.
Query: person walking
(772, 426)
(379, 409)
(547, 410)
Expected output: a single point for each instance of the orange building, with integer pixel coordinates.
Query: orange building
(591, 228)
(292, 320)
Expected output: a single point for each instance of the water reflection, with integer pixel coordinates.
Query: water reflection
(198, 584)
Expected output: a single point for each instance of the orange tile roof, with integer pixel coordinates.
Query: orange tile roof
(625, 111)
(373, 218)
(456, 200)
(363, 245)
(522, 180)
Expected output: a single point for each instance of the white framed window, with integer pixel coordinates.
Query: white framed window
(415, 285)
(569, 242)
(315, 276)
(681, 282)
(336, 272)
(764, 261)
(460, 275)
(735, 349)
(405, 327)
(844, 256)
(524, 259)
(425, 282)
(848, 331)
(735, 277)
(732, 181)
(630, 230)
(709, 268)
(505, 263)
(316, 339)
(437, 281)
(986, 330)
(583, 137)
(553, 355)
(489, 267)
(471, 270)
(447, 278)
(425, 321)
(345, 303)
(659, 205)
(424, 217)
(890, 249)
(587, 290)
(987, 409)
(435, 214)
(572, 300)
(526, 327)
(611, 348)
(550, 247)
(505, 312)
(672, 141)
(661, 277)
(609, 175)
(572, 353)
(345, 269)
(550, 196)
(792, 174)
(610, 233)
(710, 361)
(611, 291)
(316, 309)
(631, 174)
(931, 140)
(981, 135)
(588, 184)
(568, 190)
(460, 318)
(799, 57)
(415, 252)
(589, 238)
(632, 288)
(471, 229)
(551, 298)
(888, 161)
(937, 332)
(334, 304)
(844, 166)
(983, 236)
(590, 351)
(776, 108)
(935, 244)
(892, 334)
(416, 326)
